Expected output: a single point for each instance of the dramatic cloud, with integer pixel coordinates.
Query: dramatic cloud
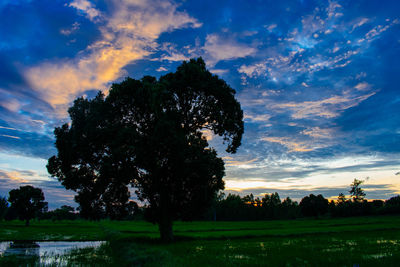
(127, 34)
(317, 81)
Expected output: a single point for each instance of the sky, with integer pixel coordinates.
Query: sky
(318, 82)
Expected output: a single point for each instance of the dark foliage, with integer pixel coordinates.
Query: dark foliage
(356, 192)
(392, 205)
(149, 134)
(27, 203)
(314, 205)
(236, 208)
(3, 207)
(65, 212)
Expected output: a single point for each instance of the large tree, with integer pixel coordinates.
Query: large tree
(149, 133)
(27, 202)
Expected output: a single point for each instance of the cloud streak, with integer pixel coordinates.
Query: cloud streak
(329, 107)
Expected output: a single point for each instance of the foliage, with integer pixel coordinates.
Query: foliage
(314, 205)
(341, 198)
(234, 207)
(392, 205)
(3, 207)
(65, 212)
(27, 202)
(356, 191)
(149, 134)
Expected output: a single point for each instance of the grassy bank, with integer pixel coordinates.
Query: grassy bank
(367, 241)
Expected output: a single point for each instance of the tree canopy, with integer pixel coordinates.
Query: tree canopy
(27, 202)
(313, 205)
(149, 133)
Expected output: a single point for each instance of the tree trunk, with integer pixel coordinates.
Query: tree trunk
(165, 227)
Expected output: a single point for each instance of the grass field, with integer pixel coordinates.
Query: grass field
(360, 241)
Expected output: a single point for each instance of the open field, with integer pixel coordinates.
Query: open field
(367, 241)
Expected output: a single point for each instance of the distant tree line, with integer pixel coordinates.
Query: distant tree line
(235, 208)
(270, 207)
(27, 203)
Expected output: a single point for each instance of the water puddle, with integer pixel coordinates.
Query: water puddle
(45, 248)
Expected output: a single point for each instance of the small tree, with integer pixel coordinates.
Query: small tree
(356, 191)
(27, 201)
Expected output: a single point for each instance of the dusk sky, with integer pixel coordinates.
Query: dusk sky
(318, 82)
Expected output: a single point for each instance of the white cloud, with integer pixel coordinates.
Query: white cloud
(171, 53)
(361, 22)
(328, 108)
(86, 7)
(305, 84)
(11, 104)
(161, 69)
(317, 132)
(10, 136)
(363, 86)
(292, 145)
(331, 10)
(8, 128)
(271, 27)
(74, 27)
(219, 71)
(377, 31)
(218, 48)
(335, 49)
(254, 70)
(257, 117)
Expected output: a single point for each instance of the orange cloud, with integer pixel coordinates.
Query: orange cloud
(127, 35)
(291, 145)
(318, 132)
(241, 164)
(11, 136)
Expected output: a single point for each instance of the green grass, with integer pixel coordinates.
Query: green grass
(363, 241)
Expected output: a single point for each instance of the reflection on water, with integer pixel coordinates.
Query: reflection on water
(22, 248)
(46, 252)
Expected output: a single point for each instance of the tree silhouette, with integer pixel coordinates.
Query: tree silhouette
(356, 191)
(149, 134)
(341, 198)
(314, 205)
(27, 202)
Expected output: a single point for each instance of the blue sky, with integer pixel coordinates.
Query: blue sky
(318, 82)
